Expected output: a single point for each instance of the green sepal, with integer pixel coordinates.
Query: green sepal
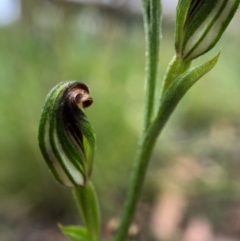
(182, 11)
(89, 145)
(44, 136)
(197, 15)
(179, 87)
(86, 200)
(200, 24)
(66, 137)
(75, 233)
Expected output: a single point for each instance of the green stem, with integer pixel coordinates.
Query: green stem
(87, 203)
(144, 151)
(139, 171)
(151, 17)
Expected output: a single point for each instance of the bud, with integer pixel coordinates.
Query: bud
(200, 24)
(66, 138)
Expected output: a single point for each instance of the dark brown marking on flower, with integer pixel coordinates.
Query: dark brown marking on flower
(71, 115)
(79, 93)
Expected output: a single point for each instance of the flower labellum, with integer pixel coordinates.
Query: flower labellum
(200, 24)
(66, 137)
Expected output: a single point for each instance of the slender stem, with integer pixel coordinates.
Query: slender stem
(144, 151)
(87, 203)
(139, 171)
(151, 18)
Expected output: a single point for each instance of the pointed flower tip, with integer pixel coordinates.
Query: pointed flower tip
(80, 95)
(200, 24)
(66, 137)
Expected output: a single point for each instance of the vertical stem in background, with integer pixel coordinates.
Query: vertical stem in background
(151, 17)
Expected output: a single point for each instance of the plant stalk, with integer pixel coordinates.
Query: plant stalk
(139, 171)
(143, 155)
(87, 203)
(151, 18)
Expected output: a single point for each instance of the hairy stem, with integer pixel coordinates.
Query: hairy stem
(144, 151)
(151, 17)
(139, 171)
(87, 203)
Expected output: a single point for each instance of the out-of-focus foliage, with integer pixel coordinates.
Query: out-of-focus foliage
(199, 149)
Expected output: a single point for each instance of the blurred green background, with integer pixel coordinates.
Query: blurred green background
(192, 191)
